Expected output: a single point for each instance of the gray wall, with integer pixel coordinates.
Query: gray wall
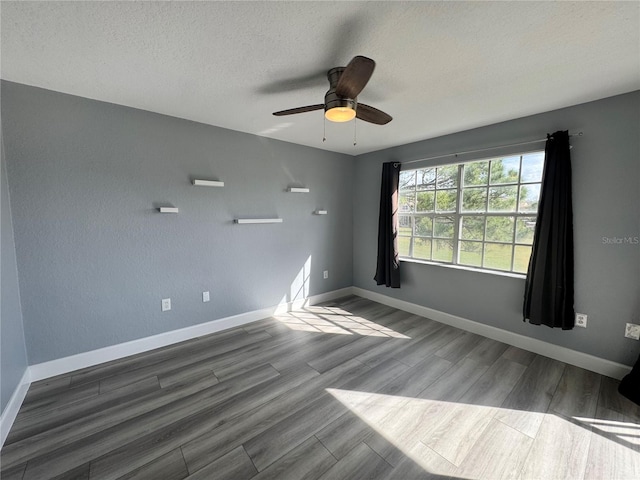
(95, 257)
(606, 179)
(13, 354)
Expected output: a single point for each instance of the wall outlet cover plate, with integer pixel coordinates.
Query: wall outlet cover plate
(581, 320)
(632, 331)
(166, 304)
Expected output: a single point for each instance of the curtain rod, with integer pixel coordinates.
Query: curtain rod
(578, 134)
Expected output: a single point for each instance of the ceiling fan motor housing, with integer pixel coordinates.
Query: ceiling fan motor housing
(331, 100)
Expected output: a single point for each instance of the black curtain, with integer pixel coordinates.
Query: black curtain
(388, 269)
(548, 297)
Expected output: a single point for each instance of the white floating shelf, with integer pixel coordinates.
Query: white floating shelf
(168, 209)
(298, 190)
(258, 220)
(208, 183)
(320, 212)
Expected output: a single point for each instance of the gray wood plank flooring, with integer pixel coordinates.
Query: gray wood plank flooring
(350, 389)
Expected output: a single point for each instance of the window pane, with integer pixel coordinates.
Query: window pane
(448, 176)
(422, 248)
(403, 246)
(476, 173)
(525, 227)
(521, 259)
(406, 202)
(529, 195)
(490, 223)
(426, 179)
(471, 253)
(505, 170)
(474, 199)
(404, 225)
(425, 201)
(500, 229)
(446, 200)
(502, 199)
(498, 256)
(423, 226)
(532, 166)
(443, 227)
(443, 250)
(407, 179)
(472, 228)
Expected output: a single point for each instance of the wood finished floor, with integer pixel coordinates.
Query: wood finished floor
(348, 390)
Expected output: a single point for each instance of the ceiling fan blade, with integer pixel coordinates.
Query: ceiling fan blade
(355, 77)
(372, 115)
(291, 111)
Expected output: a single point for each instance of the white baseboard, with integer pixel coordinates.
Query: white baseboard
(10, 412)
(326, 297)
(563, 354)
(68, 364)
(64, 365)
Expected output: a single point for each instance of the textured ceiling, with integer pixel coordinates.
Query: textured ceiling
(442, 67)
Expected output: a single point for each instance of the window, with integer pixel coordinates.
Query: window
(479, 214)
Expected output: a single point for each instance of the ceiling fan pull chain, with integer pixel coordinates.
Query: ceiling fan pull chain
(324, 129)
(355, 142)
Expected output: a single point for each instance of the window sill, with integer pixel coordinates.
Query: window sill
(464, 267)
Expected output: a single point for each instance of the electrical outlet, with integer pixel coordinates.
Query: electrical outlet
(581, 320)
(205, 296)
(632, 331)
(325, 274)
(166, 304)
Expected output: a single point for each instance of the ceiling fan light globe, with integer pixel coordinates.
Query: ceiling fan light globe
(340, 114)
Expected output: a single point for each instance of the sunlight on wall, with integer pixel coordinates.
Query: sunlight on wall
(299, 290)
(476, 441)
(298, 294)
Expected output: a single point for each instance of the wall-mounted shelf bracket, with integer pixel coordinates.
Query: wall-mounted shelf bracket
(257, 220)
(207, 183)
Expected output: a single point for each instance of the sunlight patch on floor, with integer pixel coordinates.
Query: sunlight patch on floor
(307, 324)
(342, 324)
(474, 441)
(327, 310)
(623, 430)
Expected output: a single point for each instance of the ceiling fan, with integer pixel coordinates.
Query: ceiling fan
(341, 101)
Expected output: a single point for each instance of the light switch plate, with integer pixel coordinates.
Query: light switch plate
(205, 296)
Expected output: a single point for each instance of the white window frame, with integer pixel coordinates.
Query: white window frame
(458, 215)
